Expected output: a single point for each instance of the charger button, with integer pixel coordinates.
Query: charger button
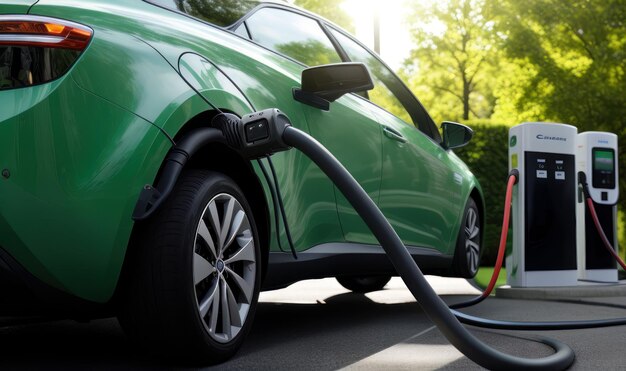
(257, 130)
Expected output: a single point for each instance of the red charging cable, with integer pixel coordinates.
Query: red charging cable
(582, 180)
(513, 177)
(607, 244)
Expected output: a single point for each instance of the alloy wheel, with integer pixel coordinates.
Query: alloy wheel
(472, 240)
(224, 267)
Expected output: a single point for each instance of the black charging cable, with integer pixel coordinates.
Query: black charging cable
(280, 136)
(431, 303)
(277, 134)
(437, 311)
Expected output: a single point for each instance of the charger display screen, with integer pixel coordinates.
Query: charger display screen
(603, 168)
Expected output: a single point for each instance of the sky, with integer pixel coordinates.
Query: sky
(395, 40)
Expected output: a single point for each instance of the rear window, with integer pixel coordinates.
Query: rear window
(221, 13)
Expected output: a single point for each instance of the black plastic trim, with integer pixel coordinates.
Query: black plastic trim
(344, 259)
(151, 198)
(310, 99)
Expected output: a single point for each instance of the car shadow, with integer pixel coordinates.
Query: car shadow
(98, 344)
(329, 334)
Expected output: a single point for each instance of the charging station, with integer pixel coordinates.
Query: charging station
(596, 154)
(543, 205)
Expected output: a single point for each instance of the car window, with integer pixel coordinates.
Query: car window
(291, 34)
(218, 12)
(242, 30)
(381, 95)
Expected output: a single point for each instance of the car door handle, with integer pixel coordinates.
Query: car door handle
(393, 134)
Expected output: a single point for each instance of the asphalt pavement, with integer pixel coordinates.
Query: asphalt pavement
(318, 325)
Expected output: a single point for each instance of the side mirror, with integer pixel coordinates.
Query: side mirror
(455, 135)
(327, 83)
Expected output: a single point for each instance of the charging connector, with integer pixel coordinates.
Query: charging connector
(256, 135)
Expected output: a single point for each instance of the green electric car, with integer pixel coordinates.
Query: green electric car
(98, 98)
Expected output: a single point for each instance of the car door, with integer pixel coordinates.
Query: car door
(349, 129)
(420, 194)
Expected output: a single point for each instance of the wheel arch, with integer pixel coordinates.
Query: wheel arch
(220, 158)
(477, 195)
(223, 159)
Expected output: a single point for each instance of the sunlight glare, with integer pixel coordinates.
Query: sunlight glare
(395, 40)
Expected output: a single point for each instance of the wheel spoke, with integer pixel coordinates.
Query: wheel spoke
(246, 253)
(236, 226)
(215, 308)
(217, 226)
(225, 309)
(246, 287)
(474, 232)
(226, 222)
(235, 319)
(472, 262)
(203, 231)
(201, 268)
(471, 245)
(206, 302)
(471, 219)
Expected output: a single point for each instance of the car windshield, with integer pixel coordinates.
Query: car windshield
(221, 13)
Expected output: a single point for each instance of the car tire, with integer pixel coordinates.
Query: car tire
(468, 250)
(364, 284)
(194, 285)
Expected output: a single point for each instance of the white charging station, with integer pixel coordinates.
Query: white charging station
(596, 156)
(544, 205)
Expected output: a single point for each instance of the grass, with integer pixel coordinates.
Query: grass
(484, 275)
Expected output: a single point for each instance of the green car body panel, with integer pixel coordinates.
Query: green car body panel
(66, 205)
(80, 148)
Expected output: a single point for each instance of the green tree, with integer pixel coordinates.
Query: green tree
(572, 56)
(570, 64)
(452, 67)
(329, 9)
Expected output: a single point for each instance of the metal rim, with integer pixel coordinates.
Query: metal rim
(224, 267)
(472, 240)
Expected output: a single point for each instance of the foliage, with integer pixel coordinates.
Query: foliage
(487, 157)
(219, 12)
(535, 60)
(329, 9)
(484, 276)
(569, 64)
(454, 59)
(573, 53)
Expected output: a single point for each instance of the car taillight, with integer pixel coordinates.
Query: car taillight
(35, 50)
